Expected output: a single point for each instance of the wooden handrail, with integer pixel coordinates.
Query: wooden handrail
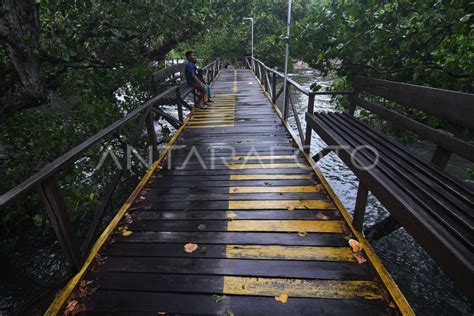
(46, 180)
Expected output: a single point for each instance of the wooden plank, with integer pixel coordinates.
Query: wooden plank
(276, 189)
(282, 204)
(322, 270)
(261, 252)
(142, 215)
(456, 107)
(241, 238)
(153, 302)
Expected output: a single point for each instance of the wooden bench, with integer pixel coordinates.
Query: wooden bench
(436, 209)
(169, 81)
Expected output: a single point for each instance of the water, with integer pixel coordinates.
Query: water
(428, 290)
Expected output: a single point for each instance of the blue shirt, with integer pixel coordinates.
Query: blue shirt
(190, 70)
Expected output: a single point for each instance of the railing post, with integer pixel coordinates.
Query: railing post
(359, 210)
(274, 86)
(150, 126)
(264, 81)
(180, 104)
(307, 143)
(59, 218)
(286, 102)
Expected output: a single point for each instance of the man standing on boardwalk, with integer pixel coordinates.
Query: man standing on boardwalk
(190, 71)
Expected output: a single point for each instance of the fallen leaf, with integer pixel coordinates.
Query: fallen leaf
(359, 257)
(291, 207)
(190, 247)
(321, 216)
(282, 298)
(231, 215)
(355, 245)
(218, 298)
(204, 250)
(302, 234)
(84, 290)
(73, 308)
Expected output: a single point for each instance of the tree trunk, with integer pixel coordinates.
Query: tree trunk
(19, 28)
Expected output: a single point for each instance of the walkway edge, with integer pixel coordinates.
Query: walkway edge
(400, 300)
(63, 295)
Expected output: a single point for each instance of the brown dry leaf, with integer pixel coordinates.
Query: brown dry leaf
(355, 245)
(291, 207)
(84, 289)
(282, 298)
(190, 247)
(359, 257)
(302, 234)
(321, 216)
(73, 308)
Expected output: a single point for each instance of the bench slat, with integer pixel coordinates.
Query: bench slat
(453, 255)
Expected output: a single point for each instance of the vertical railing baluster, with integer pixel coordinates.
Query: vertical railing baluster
(307, 144)
(274, 85)
(286, 102)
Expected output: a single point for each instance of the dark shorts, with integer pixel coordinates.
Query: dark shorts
(198, 87)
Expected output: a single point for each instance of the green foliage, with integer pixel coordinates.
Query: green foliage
(421, 42)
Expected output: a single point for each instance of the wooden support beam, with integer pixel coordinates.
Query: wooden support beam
(179, 104)
(441, 157)
(59, 218)
(307, 143)
(381, 229)
(170, 119)
(320, 155)
(359, 210)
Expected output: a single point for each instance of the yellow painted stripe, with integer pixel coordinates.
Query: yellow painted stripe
(207, 119)
(301, 288)
(276, 189)
(270, 176)
(398, 297)
(235, 166)
(214, 116)
(289, 252)
(210, 126)
(281, 204)
(264, 157)
(214, 110)
(309, 226)
(209, 122)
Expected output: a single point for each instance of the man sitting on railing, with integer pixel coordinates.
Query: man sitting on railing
(190, 71)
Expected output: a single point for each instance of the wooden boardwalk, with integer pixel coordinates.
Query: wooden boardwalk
(264, 221)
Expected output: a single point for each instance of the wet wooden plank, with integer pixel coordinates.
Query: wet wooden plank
(145, 302)
(258, 268)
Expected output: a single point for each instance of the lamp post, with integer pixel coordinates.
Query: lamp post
(285, 90)
(251, 20)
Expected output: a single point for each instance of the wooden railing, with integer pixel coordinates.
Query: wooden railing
(270, 79)
(46, 180)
